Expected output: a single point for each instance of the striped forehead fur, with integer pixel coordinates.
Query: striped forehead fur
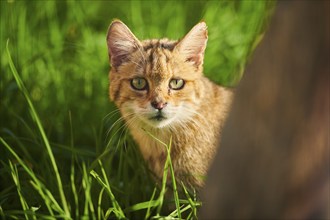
(159, 43)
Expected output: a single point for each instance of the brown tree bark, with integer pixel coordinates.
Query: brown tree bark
(274, 157)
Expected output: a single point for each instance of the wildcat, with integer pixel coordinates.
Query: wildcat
(159, 88)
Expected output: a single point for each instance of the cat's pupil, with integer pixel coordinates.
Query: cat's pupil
(139, 83)
(176, 84)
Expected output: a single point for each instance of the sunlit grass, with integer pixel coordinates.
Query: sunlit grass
(64, 152)
(54, 209)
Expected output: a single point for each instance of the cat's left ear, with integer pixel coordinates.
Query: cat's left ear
(192, 46)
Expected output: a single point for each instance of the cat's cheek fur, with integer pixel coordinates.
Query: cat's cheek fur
(189, 94)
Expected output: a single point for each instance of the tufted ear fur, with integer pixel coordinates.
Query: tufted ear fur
(121, 43)
(193, 45)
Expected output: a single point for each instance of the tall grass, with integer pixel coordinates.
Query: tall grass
(65, 153)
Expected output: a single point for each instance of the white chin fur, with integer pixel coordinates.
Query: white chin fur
(158, 124)
(170, 116)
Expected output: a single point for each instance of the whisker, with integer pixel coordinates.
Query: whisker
(120, 120)
(126, 128)
(108, 116)
(135, 63)
(123, 128)
(142, 55)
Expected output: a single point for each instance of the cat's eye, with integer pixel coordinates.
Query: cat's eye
(176, 84)
(139, 83)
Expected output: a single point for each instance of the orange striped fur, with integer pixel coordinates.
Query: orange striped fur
(159, 87)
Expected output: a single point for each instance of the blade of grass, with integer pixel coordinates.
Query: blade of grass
(12, 214)
(49, 198)
(35, 116)
(87, 184)
(85, 188)
(108, 212)
(14, 174)
(163, 189)
(168, 164)
(175, 190)
(142, 205)
(105, 184)
(183, 209)
(191, 202)
(74, 190)
(99, 203)
(148, 213)
(36, 183)
(113, 199)
(1, 213)
(19, 140)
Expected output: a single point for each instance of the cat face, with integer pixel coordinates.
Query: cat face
(156, 82)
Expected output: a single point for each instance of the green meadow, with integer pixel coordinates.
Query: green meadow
(65, 153)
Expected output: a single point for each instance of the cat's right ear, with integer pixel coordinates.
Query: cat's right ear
(121, 43)
(192, 46)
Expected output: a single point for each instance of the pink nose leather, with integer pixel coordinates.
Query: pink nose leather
(159, 105)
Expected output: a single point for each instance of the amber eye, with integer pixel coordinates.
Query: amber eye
(139, 83)
(176, 84)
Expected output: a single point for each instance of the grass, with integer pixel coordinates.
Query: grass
(64, 151)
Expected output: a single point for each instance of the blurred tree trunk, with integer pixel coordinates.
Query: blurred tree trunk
(274, 158)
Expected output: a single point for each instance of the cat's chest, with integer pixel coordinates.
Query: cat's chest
(153, 151)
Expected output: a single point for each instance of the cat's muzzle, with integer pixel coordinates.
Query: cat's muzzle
(158, 117)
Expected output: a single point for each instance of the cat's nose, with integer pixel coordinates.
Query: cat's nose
(158, 105)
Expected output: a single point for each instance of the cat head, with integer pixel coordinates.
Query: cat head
(156, 82)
